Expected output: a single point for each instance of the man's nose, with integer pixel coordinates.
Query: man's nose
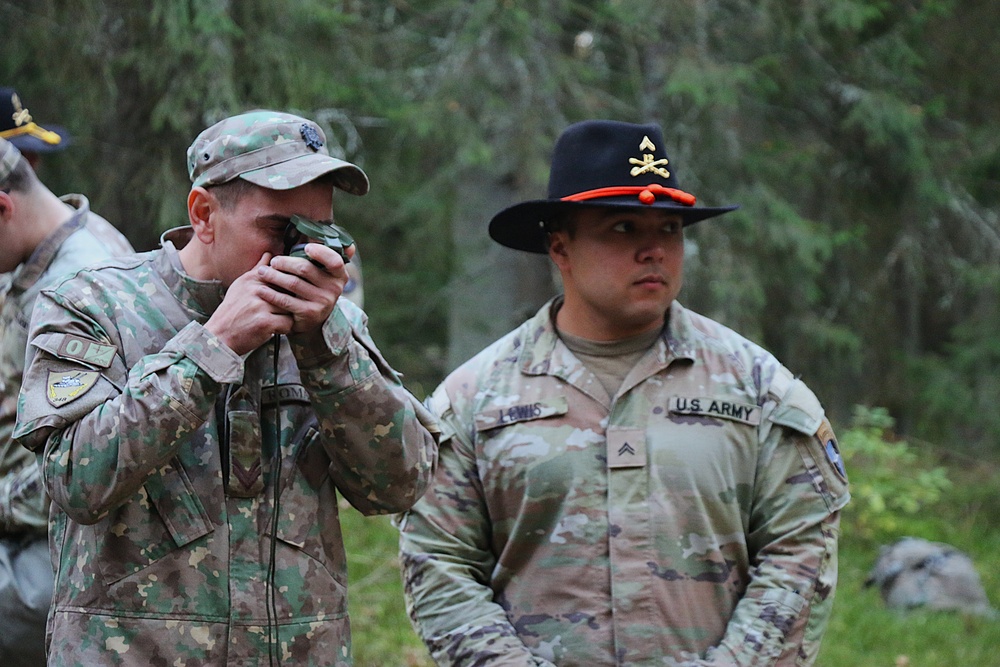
(651, 249)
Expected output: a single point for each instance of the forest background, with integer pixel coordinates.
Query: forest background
(861, 139)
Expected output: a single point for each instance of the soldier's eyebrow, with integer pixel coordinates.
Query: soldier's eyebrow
(274, 217)
(286, 219)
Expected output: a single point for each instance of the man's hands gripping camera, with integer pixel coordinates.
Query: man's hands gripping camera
(283, 294)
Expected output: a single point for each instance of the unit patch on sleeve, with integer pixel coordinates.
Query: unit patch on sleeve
(829, 441)
(717, 408)
(66, 386)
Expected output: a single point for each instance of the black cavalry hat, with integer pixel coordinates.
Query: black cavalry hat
(599, 163)
(19, 128)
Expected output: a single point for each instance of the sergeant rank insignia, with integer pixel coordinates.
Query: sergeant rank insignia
(66, 387)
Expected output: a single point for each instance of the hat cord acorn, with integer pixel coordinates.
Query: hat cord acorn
(647, 194)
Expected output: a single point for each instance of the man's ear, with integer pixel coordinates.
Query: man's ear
(557, 249)
(6, 207)
(201, 204)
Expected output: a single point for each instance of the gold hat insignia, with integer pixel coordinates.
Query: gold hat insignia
(21, 115)
(648, 163)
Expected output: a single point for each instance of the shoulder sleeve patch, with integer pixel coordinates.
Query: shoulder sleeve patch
(829, 443)
(65, 387)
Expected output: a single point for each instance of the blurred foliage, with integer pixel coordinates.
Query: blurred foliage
(889, 479)
(860, 138)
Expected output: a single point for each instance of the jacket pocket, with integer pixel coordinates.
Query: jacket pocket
(165, 515)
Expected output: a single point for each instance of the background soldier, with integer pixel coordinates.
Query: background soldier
(44, 237)
(621, 480)
(197, 408)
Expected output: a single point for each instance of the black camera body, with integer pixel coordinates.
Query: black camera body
(323, 231)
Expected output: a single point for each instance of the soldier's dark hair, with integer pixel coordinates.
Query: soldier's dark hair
(230, 193)
(21, 179)
(559, 221)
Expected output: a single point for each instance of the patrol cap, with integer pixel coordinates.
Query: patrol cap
(19, 128)
(601, 163)
(275, 150)
(9, 157)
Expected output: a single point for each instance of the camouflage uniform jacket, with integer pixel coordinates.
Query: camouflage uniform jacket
(156, 442)
(84, 239)
(691, 519)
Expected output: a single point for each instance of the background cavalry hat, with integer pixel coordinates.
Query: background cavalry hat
(274, 150)
(599, 163)
(19, 128)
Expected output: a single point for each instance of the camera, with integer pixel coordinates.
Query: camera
(321, 231)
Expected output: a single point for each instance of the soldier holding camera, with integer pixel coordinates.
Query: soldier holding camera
(197, 409)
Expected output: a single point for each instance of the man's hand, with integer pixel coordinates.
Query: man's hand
(302, 289)
(245, 319)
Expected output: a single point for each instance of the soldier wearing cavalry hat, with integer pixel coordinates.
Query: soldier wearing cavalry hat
(622, 481)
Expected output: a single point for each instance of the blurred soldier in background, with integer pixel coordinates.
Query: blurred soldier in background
(43, 238)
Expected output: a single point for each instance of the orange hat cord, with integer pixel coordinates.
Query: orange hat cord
(647, 194)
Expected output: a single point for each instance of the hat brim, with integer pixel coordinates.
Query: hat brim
(27, 143)
(522, 226)
(303, 169)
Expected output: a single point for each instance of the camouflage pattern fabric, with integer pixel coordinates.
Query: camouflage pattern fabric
(156, 442)
(84, 239)
(25, 567)
(274, 150)
(691, 519)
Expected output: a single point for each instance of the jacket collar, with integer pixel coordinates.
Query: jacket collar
(201, 296)
(46, 251)
(544, 353)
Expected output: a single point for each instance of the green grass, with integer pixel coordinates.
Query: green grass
(381, 631)
(862, 632)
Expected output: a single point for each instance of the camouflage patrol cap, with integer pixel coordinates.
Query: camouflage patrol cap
(277, 151)
(9, 157)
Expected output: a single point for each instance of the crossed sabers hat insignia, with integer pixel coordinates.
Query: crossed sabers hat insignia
(647, 163)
